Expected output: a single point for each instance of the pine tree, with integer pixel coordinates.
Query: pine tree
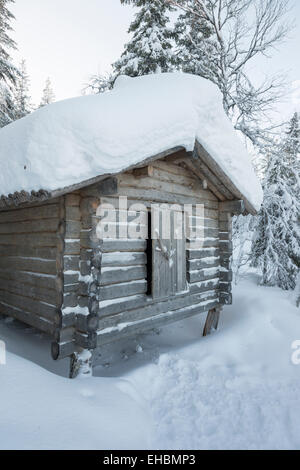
(48, 94)
(276, 246)
(150, 49)
(8, 73)
(21, 93)
(191, 36)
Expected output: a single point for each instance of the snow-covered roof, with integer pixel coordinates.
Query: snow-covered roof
(74, 140)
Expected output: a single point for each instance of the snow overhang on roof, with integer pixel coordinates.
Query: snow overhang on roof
(74, 142)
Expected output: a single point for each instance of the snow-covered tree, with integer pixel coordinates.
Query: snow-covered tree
(8, 73)
(150, 48)
(99, 84)
(276, 246)
(220, 40)
(48, 96)
(22, 98)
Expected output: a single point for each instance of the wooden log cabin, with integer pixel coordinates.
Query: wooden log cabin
(62, 276)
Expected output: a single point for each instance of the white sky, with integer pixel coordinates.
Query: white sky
(68, 40)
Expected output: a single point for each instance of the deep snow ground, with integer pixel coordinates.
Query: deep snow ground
(237, 388)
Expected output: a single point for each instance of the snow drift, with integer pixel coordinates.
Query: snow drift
(77, 139)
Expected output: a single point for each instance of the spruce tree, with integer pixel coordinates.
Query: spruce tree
(48, 96)
(192, 36)
(276, 246)
(21, 94)
(8, 73)
(150, 49)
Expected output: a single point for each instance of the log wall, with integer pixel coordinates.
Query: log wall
(121, 282)
(30, 287)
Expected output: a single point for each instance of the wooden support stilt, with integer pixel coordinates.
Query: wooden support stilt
(212, 321)
(81, 364)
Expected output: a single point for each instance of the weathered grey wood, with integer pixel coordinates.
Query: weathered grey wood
(155, 185)
(30, 226)
(150, 307)
(73, 213)
(121, 290)
(212, 321)
(36, 239)
(108, 187)
(33, 279)
(203, 263)
(123, 259)
(32, 292)
(203, 253)
(200, 244)
(71, 262)
(225, 298)
(234, 207)
(62, 350)
(117, 275)
(226, 181)
(36, 307)
(143, 172)
(226, 276)
(34, 265)
(204, 176)
(203, 274)
(28, 251)
(73, 229)
(147, 324)
(72, 200)
(35, 321)
(29, 214)
(130, 245)
(72, 247)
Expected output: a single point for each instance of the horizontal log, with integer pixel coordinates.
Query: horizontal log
(30, 226)
(202, 253)
(33, 279)
(198, 221)
(28, 251)
(73, 229)
(151, 184)
(203, 286)
(71, 263)
(123, 259)
(151, 195)
(226, 276)
(107, 187)
(72, 199)
(34, 321)
(33, 306)
(226, 246)
(234, 207)
(72, 247)
(225, 287)
(62, 350)
(203, 274)
(150, 323)
(34, 265)
(194, 264)
(33, 240)
(129, 245)
(73, 213)
(121, 290)
(199, 244)
(149, 308)
(118, 275)
(32, 292)
(32, 213)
